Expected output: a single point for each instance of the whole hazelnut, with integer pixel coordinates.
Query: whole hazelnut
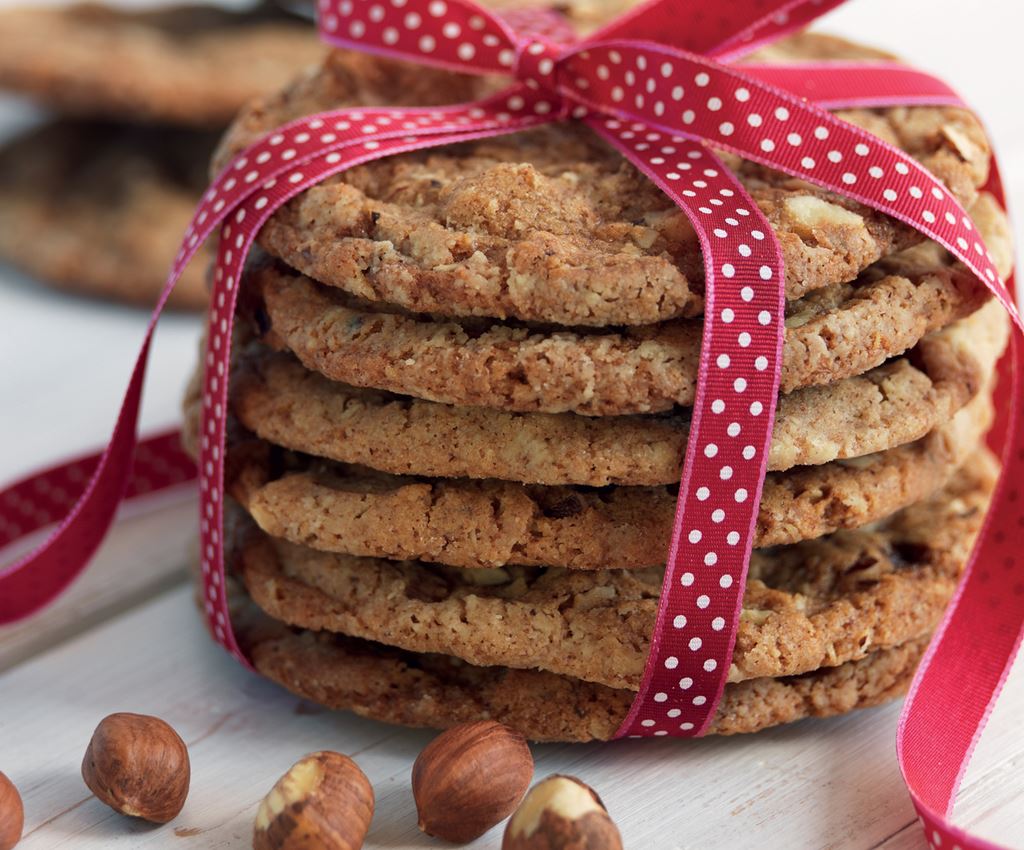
(138, 765)
(12, 814)
(560, 813)
(324, 801)
(470, 778)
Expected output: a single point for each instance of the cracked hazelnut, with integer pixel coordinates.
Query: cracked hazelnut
(470, 778)
(561, 813)
(12, 814)
(324, 801)
(138, 765)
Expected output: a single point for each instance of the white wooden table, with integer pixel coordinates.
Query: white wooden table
(126, 638)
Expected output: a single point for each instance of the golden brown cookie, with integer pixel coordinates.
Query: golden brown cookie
(100, 209)
(285, 404)
(818, 603)
(488, 523)
(191, 65)
(525, 370)
(437, 691)
(553, 225)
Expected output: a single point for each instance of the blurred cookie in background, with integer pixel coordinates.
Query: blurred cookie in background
(190, 65)
(96, 202)
(99, 208)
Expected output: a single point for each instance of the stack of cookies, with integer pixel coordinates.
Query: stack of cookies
(461, 390)
(95, 200)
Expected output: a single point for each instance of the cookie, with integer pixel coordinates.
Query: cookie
(580, 237)
(99, 209)
(436, 691)
(832, 333)
(190, 65)
(818, 603)
(285, 404)
(529, 370)
(485, 524)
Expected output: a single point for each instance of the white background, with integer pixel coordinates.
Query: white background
(65, 362)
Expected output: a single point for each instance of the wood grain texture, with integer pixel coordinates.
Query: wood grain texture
(141, 559)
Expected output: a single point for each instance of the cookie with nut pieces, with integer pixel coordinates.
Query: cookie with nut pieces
(817, 603)
(412, 689)
(98, 208)
(280, 401)
(154, 65)
(529, 370)
(579, 237)
(489, 523)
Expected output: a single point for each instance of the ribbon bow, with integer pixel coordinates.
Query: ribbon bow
(658, 85)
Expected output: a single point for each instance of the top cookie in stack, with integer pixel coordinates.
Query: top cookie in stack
(462, 396)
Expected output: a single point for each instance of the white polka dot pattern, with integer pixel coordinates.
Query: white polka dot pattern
(737, 383)
(447, 33)
(665, 109)
(689, 94)
(286, 162)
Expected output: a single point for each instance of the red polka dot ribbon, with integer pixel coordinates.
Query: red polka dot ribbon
(657, 85)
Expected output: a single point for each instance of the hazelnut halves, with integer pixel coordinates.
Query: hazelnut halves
(470, 778)
(138, 765)
(12, 814)
(324, 801)
(559, 813)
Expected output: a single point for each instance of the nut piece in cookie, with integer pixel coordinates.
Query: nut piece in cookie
(470, 778)
(138, 765)
(561, 813)
(324, 801)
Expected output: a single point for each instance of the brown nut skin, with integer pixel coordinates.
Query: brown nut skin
(561, 813)
(138, 765)
(323, 802)
(12, 814)
(470, 778)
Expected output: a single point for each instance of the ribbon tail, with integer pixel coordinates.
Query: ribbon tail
(747, 25)
(960, 677)
(37, 578)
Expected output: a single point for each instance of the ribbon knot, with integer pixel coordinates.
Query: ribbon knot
(538, 62)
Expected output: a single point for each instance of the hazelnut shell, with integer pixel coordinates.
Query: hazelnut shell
(138, 765)
(561, 813)
(12, 814)
(324, 801)
(469, 779)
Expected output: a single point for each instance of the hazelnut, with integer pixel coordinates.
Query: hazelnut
(559, 813)
(12, 814)
(470, 778)
(138, 765)
(323, 801)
